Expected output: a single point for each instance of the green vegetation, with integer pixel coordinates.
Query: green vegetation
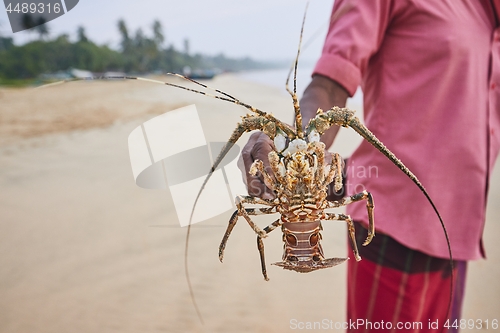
(35, 58)
(138, 54)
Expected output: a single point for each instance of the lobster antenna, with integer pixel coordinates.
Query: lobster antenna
(228, 97)
(186, 272)
(203, 85)
(296, 107)
(368, 136)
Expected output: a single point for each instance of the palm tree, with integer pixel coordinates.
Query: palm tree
(82, 37)
(122, 27)
(159, 38)
(41, 27)
(28, 22)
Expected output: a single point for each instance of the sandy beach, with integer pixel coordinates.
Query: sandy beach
(83, 249)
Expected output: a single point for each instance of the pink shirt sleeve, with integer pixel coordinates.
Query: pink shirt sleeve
(356, 31)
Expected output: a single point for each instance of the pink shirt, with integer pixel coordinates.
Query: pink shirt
(430, 73)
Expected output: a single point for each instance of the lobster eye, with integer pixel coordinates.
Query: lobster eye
(292, 258)
(291, 239)
(316, 258)
(313, 239)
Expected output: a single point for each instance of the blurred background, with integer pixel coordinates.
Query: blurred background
(164, 36)
(82, 248)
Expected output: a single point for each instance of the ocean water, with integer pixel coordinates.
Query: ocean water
(277, 78)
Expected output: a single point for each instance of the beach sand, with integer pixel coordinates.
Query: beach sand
(83, 249)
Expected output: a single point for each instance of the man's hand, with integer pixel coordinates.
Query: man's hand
(258, 147)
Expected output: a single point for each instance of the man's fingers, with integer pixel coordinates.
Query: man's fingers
(258, 147)
(255, 185)
(261, 149)
(257, 188)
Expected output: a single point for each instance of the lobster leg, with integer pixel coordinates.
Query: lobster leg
(245, 212)
(260, 245)
(335, 172)
(319, 149)
(369, 206)
(258, 166)
(257, 201)
(350, 226)
(337, 161)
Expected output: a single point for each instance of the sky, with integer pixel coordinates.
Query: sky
(260, 29)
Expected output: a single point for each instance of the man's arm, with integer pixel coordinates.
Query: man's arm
(322, 93)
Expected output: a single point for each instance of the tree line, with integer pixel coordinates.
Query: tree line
(138, 53)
